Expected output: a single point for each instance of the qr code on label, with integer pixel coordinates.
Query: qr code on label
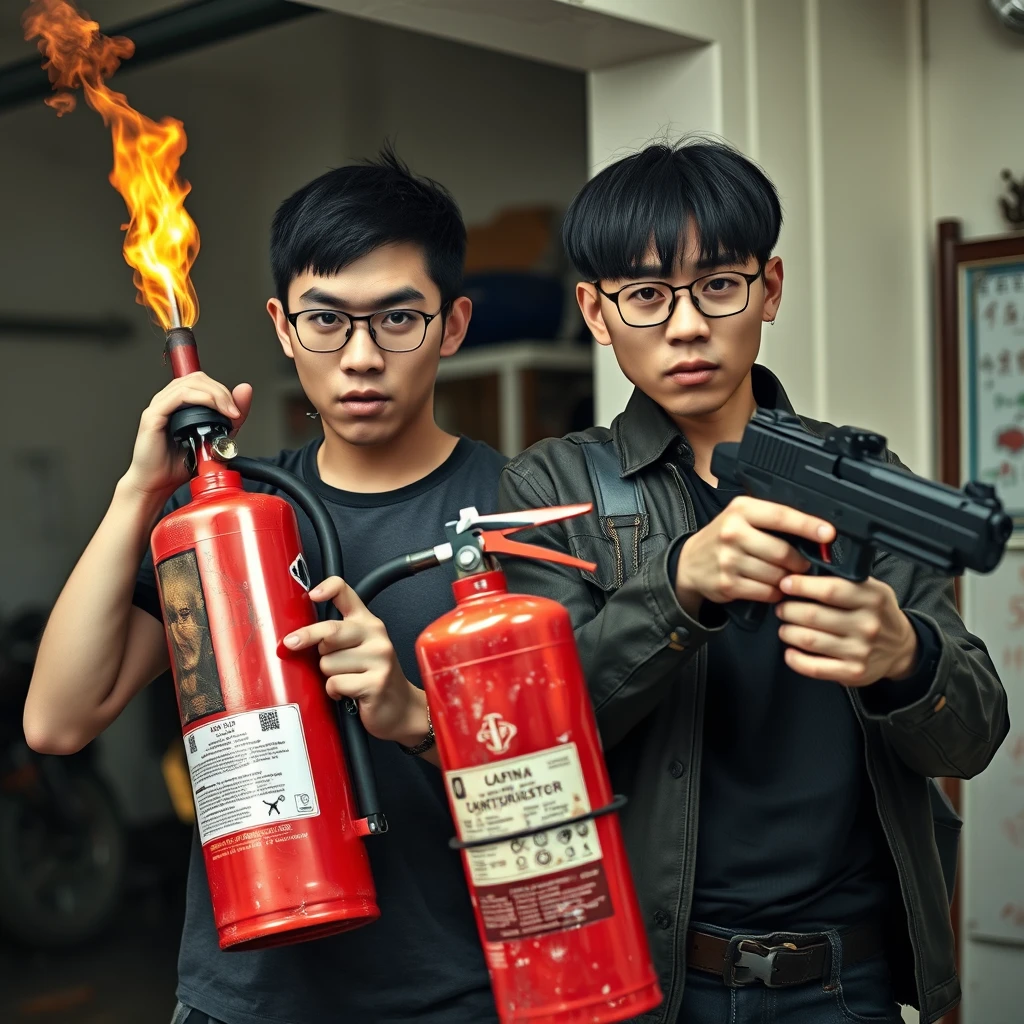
(268, 721)
(191, 744)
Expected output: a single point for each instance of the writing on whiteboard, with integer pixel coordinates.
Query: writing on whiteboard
(1013, 913)
(995, 342)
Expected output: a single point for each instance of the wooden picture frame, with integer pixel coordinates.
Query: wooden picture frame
(957, 263)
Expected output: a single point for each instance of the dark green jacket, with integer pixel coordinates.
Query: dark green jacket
(644, 660)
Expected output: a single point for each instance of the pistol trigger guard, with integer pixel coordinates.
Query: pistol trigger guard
(819, 555)
(858, 559)
(809, 550)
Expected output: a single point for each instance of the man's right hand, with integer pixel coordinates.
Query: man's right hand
(157, 468)
(736, 558)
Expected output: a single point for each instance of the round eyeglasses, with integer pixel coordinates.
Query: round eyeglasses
(652, 303)
(392, 330)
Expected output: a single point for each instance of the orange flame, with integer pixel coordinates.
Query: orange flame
(162, 240)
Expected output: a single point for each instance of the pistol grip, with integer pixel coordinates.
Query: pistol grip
(747, 615)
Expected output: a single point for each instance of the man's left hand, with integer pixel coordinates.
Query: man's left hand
(850, 633)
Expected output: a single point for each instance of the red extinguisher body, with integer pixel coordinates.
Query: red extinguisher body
(519, 747)
(274, 807)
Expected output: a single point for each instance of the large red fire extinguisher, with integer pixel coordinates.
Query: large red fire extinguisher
(283, 796)
(529, 792)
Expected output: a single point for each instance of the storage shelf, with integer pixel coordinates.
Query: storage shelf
(516, 355)
(507, 361)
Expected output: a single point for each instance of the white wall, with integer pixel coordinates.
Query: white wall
(974, 79)
(264, 114)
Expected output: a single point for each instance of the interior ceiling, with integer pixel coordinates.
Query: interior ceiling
(560, 32)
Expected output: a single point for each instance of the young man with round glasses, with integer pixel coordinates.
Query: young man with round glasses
(779, 822)
(367, 263)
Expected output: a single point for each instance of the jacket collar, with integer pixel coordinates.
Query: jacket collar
(644, 430)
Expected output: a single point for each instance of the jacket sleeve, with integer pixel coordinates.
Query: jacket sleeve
(956, 727)
(634, 642)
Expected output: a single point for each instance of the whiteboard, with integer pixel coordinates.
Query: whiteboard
(992, 300)
(994, 862)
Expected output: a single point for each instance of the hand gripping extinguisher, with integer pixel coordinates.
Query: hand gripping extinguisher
(534, 812)
(283, 796)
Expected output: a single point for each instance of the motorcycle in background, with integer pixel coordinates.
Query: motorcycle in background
(63, 848)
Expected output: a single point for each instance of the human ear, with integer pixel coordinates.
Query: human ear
(456, 323)
(593, 312)
(281, 325)
(772, 277)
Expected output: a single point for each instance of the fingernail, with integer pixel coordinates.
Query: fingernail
(824, 532)
(786, 585)
(291, 641)
(233, 411)
(315, 592)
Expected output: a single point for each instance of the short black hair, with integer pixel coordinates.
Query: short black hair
(350, 211)
(653, 195)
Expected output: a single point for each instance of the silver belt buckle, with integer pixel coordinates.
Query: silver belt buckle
(756, 962)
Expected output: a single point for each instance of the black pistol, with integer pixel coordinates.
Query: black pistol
(844, 478)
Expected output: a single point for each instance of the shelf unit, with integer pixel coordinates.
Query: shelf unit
(507, 370)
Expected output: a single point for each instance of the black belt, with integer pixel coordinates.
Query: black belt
(788, 963)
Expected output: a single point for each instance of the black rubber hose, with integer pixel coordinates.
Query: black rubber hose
(357, 748)
(391, 572)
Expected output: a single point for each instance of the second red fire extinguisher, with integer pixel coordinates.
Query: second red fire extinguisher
(529, 792)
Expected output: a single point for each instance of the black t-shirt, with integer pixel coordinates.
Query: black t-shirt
(788, 837)
(422, 959)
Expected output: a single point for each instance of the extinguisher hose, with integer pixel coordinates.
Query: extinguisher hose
(357, 747)
(391, 572)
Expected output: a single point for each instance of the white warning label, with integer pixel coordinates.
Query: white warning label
(250, 769)
(521, 793)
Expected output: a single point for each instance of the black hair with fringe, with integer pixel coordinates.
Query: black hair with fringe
(350, 211)
(655, 195)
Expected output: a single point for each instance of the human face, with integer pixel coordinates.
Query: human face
(186, 630)
(365, 395)
(693, 366)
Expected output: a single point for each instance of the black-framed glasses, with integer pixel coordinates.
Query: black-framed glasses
(652, 303)
(392, 330)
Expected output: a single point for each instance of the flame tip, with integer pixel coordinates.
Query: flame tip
(161, 240)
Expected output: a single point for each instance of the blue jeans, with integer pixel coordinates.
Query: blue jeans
(858, 994)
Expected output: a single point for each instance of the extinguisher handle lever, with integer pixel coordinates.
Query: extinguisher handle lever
(495, 542)
(493, 531)
(470, 519)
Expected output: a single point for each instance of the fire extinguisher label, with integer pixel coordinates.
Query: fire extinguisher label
(250, 769)
(547, 881)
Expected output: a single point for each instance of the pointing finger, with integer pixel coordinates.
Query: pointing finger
(330, 635)
(336, 590)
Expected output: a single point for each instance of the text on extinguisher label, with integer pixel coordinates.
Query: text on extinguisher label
(250, 769)
(548, 881)
(496, 799)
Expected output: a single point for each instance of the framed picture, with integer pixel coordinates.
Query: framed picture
(981, 364)
(992, 315)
